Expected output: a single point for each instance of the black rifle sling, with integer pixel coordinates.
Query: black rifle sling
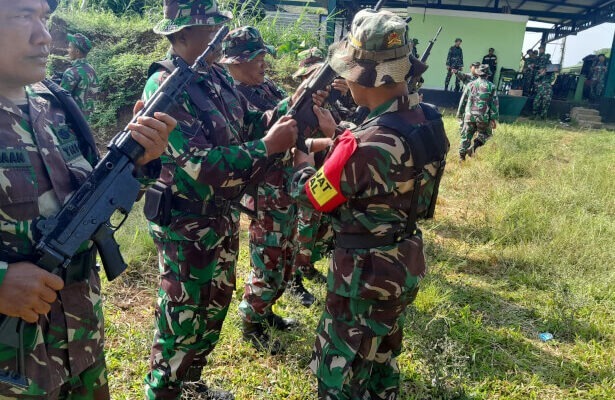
(75, 117)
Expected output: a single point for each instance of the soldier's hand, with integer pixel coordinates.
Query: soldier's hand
(151, 133)
(326, 122)
(341, 85)
(27, 291)
(282, 135)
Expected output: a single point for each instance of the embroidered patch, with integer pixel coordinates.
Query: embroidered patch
(393, 40)
(14, 158)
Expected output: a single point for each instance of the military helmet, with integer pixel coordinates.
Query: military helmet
(179, 14)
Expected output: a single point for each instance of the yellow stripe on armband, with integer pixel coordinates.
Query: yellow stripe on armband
(321, 189)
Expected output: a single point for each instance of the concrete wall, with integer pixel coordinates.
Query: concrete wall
(479, 31)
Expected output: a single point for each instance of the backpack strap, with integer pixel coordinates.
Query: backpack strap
(85, 138)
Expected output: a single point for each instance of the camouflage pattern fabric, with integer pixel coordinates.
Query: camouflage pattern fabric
(313, 240)
(599, 78)
(40, 166)
(309, 60)
(454, 60)
(242, 45)
(179, 14)
(271, 232)
(81, 42)
(81, 82)
(482, 107)
(465, 79)
(542, 95)
(359, 335)
(197, 253)
(542, 61)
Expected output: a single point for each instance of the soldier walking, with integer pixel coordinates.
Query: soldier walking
(481, 113)
(454, 63)
(371, 182)
(80, 79)
(44, 161)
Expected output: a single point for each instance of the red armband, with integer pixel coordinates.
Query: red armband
(323, 189)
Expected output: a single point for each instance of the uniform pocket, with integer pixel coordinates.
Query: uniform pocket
(18, 191)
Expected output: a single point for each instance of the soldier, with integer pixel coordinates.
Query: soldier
(465, 79)
(542, 94)
(481, 113)
(454, 62)
(598, 76)
(492, 61)
(372, 183)
(217, 148)
(272, 228)
(43, 162)
(80, 79)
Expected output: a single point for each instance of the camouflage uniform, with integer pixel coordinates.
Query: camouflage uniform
(41, 165)
(481, 109)
(360, 333)
(80, 79)
(598, 78)
(208, 161)
(463, 100)
(542, 95)
(454, 60)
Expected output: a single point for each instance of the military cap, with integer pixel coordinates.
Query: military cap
(80, 41)
(309, 60)
(179, 14)
(475, 64)
(376, 50)
(482, 70)
(242, 45)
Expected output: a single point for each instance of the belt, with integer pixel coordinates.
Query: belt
(368, 240)
(209, 208)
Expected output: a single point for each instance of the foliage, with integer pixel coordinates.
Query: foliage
(117, 7)
(511, 254)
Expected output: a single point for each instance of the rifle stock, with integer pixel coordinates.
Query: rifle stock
(111, 187)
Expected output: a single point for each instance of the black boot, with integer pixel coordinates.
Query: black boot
(297, 289)
(255, 334)
(199, 390)
(313, 274)
(279, 323)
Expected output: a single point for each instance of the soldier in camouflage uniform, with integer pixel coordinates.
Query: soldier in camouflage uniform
(454, 62)
(80, 79)
(465, 79)
(481, 113)
(598, 76)
(371, 187)
(217, 148)
(41, 164)
(272, 227)
(543, 91)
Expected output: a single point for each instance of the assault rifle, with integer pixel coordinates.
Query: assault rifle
(302, 110)
(418, 67)
(110, 188)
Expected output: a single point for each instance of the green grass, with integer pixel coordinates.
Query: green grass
(521, 244)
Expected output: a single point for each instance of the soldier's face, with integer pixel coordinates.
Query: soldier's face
(196, 39)
(24, 41)
(252, 72)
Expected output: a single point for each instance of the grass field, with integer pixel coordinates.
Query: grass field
(522, 243)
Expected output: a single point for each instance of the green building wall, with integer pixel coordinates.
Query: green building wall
(479, 31)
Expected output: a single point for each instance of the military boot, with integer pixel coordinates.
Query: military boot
(200, 391)
(297, 289)
(256, 334)
(313, 274)
(279, 323)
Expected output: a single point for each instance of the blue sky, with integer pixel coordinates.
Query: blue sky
(577, 46)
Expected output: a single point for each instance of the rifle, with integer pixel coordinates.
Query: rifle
(111, 187)
(301, 110)
(418, 67)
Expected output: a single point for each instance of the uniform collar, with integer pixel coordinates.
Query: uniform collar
(34, 100)
(400, 103)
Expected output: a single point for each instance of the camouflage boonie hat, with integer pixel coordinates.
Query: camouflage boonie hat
(179, 14)
(81, 42)
(483, 69)
(376, 50)
(309, 60)
(242, 45)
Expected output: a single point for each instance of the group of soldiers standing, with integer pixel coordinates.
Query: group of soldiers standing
(537, 81)
(228, 147)
(454, 65)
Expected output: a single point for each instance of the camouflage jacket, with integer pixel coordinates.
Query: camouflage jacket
(262, 97)
(214, 151)
(81, 82)
(542, 61)
(543, 81)
(41, 166)
(454, 59)
(482, 105)
(463, 100)
(377, 181)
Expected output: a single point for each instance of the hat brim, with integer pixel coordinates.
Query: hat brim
(72, 39)
(168, 26)
(303, 71)
(244, 58)
(367, 73)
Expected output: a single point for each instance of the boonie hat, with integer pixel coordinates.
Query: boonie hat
(309, 60)
(376, 50)
(242, 45)
(80, 41)
(179, 14)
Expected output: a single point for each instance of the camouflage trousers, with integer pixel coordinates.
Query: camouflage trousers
(196, 287)
(357, 343)
(314, 238)
(482, 130)
(271, 256)
(447, 81)
(542, 101)
(91, 384)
